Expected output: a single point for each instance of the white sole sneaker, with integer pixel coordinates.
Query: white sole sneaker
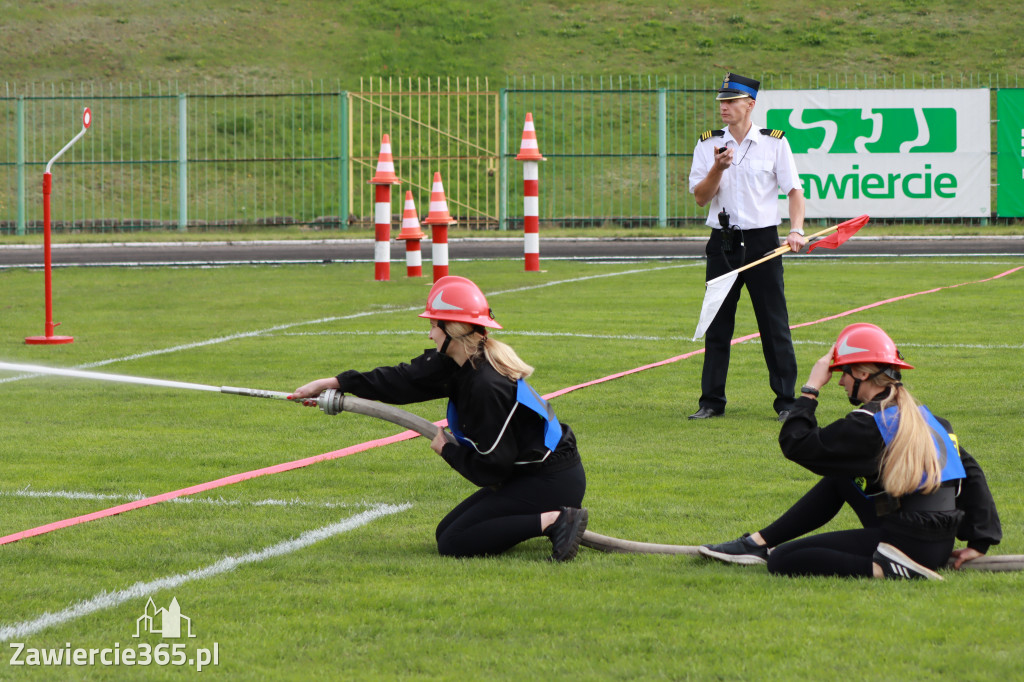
(903, 566)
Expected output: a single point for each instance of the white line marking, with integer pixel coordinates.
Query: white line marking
(380, 310)
(106, 600)
(216, 501)
(636, 337)
(391, 309)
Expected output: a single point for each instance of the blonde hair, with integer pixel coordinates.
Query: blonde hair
(911, 455)
(479, 345)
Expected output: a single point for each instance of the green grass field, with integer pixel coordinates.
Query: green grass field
(375, 601)
(242, 44)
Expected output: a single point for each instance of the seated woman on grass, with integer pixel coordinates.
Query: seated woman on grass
(900, 468)
(504, 437)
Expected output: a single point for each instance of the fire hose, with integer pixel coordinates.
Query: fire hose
(333, 402)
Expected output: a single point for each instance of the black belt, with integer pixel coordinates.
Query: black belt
(943, 499)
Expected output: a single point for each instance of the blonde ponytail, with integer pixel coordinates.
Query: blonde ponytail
(500, 355)
(910, 457)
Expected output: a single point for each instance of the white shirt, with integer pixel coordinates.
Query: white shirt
(761, 167)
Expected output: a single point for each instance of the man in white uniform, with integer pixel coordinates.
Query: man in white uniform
(740, 170)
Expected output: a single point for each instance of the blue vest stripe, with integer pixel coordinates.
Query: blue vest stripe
(527, 397)
(888, 422)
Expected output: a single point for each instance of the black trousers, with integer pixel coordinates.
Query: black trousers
(840, 553)
(767, 293)
(491, 521)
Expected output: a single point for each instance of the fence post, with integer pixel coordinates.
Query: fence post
(503, 159)
(21, 163)
(343, 160)
(182, 162)
(662, 159)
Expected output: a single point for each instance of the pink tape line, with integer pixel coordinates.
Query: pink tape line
(406, 435)
(202, 487)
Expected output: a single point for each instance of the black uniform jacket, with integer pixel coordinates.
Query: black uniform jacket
(484, 399)
(852, 446)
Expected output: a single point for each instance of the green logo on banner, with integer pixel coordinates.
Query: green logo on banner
(882, 130)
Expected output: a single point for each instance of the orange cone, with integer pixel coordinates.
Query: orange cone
(528, 150)
(385, 165)
(439, 214)
(410, 222)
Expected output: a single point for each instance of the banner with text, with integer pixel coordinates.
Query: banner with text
(1010, 152)
(887, 153)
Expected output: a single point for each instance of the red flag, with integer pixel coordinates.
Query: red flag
(843, 232)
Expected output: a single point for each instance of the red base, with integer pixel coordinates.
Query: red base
(48, 340)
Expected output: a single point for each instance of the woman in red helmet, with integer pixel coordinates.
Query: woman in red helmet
(503, 436)
(899, 467)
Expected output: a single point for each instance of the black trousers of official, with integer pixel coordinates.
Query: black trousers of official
(495, 519)
(767, 293)
(846, 553)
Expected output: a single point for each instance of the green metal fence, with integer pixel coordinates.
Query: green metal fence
(159, 156)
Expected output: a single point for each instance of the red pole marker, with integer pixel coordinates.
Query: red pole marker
(411, 234)
(383, 179)
(48, 337)
(529, 154)
(439, 219)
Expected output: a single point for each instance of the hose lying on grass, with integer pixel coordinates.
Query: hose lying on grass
(333, 401)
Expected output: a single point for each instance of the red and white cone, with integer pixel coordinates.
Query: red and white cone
(439, 219)
(411, 234)
(529, 154)
(383, 179)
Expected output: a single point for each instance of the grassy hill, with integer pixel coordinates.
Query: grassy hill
(229, 42)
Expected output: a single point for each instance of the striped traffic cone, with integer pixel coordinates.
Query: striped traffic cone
(528, 150)
(385, 174)
(383, 179)
(529, 154)
(439, 219)
(411, 234)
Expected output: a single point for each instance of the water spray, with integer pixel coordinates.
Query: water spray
(331, 401)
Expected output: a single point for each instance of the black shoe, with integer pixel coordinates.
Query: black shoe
(898, 566)
(783, 415)
(566, 532)
(706, 413)
(740, 551)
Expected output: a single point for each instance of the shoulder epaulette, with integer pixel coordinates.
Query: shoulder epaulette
(708, 134)
(770, 132)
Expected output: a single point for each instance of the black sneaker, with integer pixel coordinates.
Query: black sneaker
(742, 550)
(898, 566)
(566, 532)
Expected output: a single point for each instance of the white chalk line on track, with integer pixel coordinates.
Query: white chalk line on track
(107, 600)
(630, 337)
(389, 309)
(383, 310)
(213, 501)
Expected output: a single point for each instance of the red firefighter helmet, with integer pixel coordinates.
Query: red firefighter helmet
(457, 299)
(866, 343)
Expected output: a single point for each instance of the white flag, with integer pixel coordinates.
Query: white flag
(717, 289)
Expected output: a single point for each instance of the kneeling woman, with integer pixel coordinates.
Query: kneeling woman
(899, 467)
(504, 437)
